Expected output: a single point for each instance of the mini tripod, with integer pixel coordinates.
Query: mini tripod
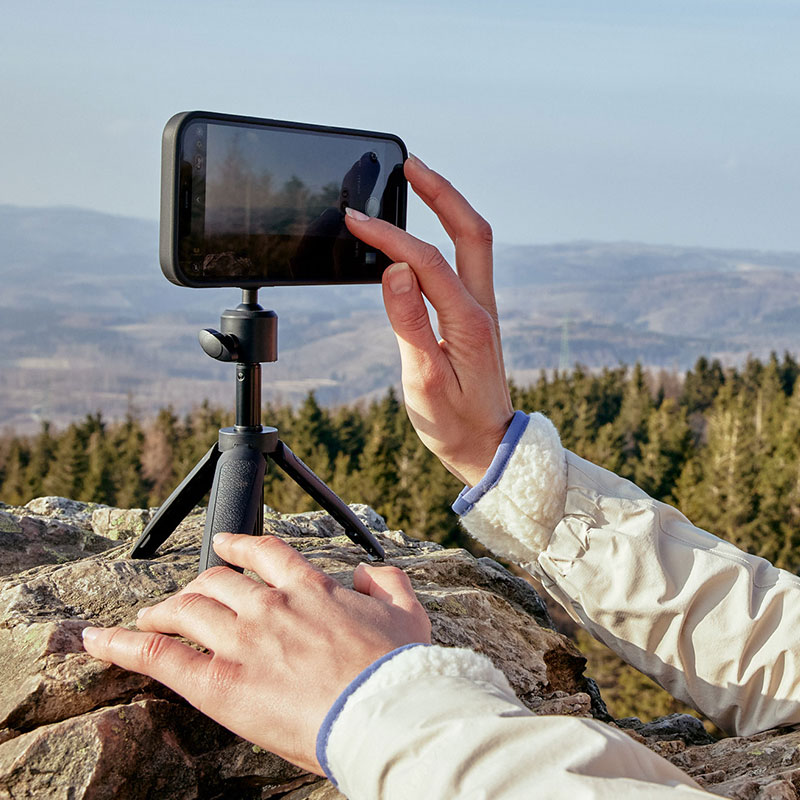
(233, 469)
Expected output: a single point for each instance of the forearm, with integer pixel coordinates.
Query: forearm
(443, 723)
(713, 625)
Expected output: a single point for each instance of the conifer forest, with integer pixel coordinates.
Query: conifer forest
(721, 444)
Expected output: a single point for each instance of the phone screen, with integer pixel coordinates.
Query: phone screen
(264, 203)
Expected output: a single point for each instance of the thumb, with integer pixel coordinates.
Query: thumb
(408, 317)
(388, 584)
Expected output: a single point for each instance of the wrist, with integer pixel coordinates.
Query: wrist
(336, 709)
(488, 478)
(472, 472)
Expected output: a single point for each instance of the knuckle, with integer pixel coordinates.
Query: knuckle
(271, 600)
(186, 601)
(152, 648)
(209, 575)
(431, 258)
(314, 579)
(110, 643)
(482, 326)
(397, 574)
(220, 678)
(413, 319)
(479, 231)
(266, 544)
(424, 378)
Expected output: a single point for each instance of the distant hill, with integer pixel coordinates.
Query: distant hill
(89, 322)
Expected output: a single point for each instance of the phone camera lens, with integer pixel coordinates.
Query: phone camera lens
(198, 163)
(373, 156)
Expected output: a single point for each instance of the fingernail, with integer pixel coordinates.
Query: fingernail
(90, 634)
(140, 612)
(417, 161)
(399, 277)
(221, 537)
(357, 215)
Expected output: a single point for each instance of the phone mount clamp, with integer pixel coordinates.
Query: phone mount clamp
(233, 469)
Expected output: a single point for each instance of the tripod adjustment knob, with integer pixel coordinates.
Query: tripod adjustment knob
(222, 346)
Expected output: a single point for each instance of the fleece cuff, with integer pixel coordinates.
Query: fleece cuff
(518, 503)
(403, 666)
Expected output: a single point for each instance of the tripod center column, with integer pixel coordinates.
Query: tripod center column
(248, 395)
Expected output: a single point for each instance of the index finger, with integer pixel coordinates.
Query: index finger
(176, 665)
(437, 280)
(276, 562)
(470, 232)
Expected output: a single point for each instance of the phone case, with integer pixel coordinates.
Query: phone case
(170, 186)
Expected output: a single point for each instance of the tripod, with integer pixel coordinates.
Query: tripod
(233, 469)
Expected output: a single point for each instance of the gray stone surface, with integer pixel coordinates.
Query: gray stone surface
(48, 530)
(75, 728)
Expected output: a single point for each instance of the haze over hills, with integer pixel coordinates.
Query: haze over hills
(90, 323)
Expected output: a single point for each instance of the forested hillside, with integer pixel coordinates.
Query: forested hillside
(722, 445)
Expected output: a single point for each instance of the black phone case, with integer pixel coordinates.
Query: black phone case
(170, 184)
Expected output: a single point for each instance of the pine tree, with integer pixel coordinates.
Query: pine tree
(631, 424)
(726, 500)
(311, 438)
(701, 385)
(127, 445)
(788, 487)
(68, 472)
(379, 481)
(789, 371)
(664, 451)
(776, 531)
(99, 485)
(162, 444)
(13, 488)
(41, 461)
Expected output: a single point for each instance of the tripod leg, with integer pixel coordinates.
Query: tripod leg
(172, 511)
(235, 503)
(319, 491)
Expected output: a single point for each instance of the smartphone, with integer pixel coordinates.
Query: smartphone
(259, 202)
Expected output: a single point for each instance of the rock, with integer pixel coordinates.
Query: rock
(43, 532)
(73, 727)
(120, 523)
(681, 727)
(762, 767)
(74, 511)
(111, 523)
(321, 790)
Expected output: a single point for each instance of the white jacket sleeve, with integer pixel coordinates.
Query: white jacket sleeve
(716, 627)
(444, 724)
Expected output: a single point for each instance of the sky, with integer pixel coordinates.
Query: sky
(661, 121)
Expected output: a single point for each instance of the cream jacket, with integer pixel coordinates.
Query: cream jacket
(713, 625)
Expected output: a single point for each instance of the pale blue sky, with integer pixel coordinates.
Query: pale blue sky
(652, 120)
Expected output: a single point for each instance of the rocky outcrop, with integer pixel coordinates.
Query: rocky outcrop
(73, 727)
(54, 530)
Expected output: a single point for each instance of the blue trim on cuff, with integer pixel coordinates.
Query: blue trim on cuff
(336, 708)
(470, 496)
